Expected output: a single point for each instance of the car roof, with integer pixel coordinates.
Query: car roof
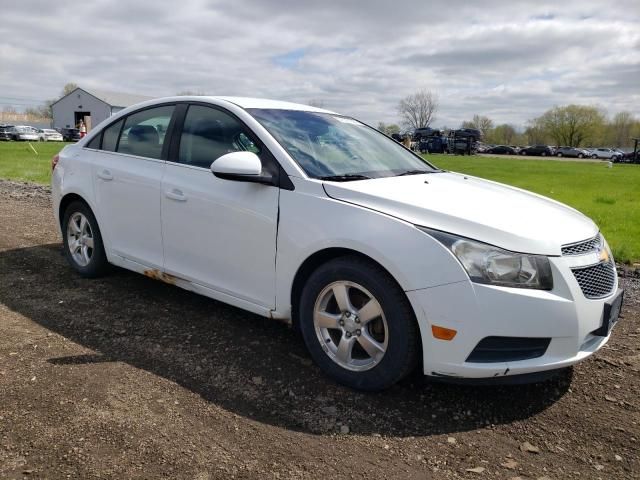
(242, 102)
(249, 102)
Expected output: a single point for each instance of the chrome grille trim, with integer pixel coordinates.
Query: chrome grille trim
(583, 247)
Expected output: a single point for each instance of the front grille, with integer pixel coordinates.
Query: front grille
(596, 281)
(581, 248)
(508, 349)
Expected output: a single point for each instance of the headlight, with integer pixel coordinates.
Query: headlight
(495, 266)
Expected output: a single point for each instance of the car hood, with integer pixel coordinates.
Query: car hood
(471, 207)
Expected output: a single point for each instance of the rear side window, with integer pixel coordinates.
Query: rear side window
(110, 136)
(209, 133)
(95, 142)
(144, 132)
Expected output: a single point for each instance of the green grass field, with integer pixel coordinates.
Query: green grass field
(19, 162)
(610, 196)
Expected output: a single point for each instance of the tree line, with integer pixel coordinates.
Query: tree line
(567, 125)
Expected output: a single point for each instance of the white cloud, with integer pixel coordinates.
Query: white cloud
(508, 61)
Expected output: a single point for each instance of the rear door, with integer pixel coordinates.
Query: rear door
(127, 177)
(219, 233)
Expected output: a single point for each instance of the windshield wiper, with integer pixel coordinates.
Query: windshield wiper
(415, 172)
(345, 178)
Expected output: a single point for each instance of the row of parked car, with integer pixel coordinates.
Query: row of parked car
(469, 141)
(613, 154)
(25, 133)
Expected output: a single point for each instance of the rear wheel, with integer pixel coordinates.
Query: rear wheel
(544, 154)
(594, 156)
(580, 155)
(358, 324)
(82, 240)
(559, 155)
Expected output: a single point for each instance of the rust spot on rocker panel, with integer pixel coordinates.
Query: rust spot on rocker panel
(158, 275)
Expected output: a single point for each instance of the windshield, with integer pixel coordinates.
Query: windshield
(327, 145)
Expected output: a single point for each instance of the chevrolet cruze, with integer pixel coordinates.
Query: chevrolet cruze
(381, 260)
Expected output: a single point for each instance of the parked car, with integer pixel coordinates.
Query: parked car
(23, 133)
(379, 258)
(49, 135)
(571, 152)
(501, 150)
(628, 157)
(606, 153)
(70, 134)
(5, 132)
(538, 150)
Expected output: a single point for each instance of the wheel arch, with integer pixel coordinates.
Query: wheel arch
(312, 262)
(66, 200)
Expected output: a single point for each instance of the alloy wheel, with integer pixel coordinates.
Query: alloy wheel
(350, 326)
(80, 239)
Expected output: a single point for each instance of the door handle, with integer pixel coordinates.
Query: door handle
(175, 194)
(105, 175)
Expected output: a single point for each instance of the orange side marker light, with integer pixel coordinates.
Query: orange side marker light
(442, 333)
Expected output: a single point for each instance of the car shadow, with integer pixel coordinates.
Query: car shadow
(252, 366)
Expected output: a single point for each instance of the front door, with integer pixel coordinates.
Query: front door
(218, 233)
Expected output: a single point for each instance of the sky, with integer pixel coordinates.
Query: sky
(510, 61)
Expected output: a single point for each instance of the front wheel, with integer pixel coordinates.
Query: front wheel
(82, 241)
(559, 155)
(358, 324)
(594, 156)
(580, 155)
(544, 154)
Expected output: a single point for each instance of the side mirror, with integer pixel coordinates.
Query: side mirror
(241, 167)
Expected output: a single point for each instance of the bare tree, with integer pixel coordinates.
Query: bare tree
(68, 88)
(418, 110)
(388, 128)
(619, 129)
(480, 122)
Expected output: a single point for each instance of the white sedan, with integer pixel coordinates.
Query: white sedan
(383, 261)
(23, 133)
(49, 135)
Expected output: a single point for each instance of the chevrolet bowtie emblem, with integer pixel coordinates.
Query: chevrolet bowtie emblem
(604, 255)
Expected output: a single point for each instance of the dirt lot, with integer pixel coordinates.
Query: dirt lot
(125, 377)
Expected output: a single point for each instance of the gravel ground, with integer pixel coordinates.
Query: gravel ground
(125, 377)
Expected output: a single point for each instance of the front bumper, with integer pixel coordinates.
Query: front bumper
(475, 311)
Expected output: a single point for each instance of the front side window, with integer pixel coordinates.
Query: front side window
(327, 145)
(209, 133)
(144, 132)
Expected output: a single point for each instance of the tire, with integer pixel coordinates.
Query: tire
(559, 155)
(594, 156)
(392, 325)
(580, 155)
(543, 154)
(96, 259)
(523, 153)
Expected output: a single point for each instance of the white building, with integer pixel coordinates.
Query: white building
(90, 106)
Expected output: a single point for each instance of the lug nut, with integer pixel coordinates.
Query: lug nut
(341, 323)
(347, 314)
(358, 332)
(357, 319)
(348, 334)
